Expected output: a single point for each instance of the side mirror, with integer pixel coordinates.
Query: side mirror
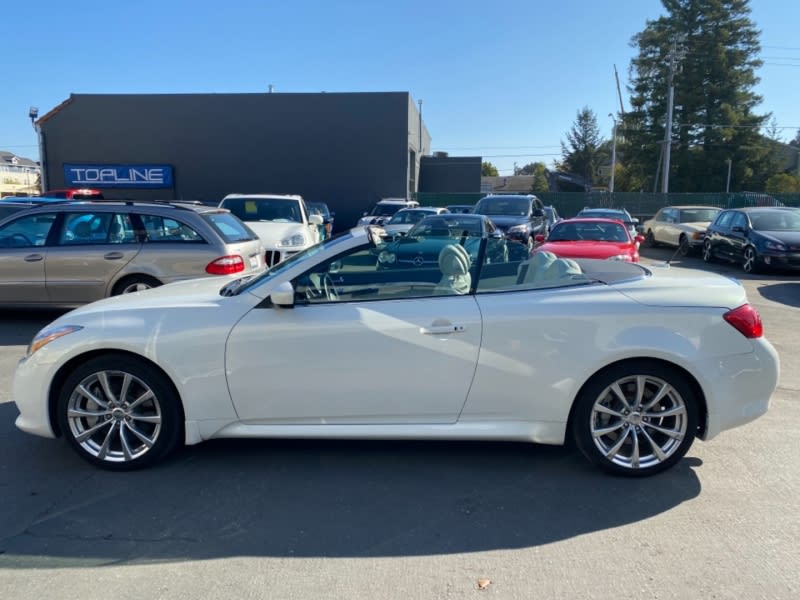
(283, 295)
(315, 219)
(539, 238)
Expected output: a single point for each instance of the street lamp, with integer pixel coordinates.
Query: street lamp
(613, 154)
(33, 112)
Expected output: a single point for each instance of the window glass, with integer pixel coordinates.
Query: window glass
(229, 227)
(724, 220)
(28, 231)
(281, 210)
(166, 229)
(739, 220)
(80, 228)
(403, 268)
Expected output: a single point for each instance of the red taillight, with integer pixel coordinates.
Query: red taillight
(746, 320)
(226, 265)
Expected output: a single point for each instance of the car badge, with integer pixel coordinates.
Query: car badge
(418, 261)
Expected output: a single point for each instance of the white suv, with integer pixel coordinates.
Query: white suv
(384, 209)
(283, 222)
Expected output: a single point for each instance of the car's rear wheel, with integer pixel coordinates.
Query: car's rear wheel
(636, 419)
(134, 283)
(119, 412)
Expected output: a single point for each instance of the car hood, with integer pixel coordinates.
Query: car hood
(667, 286)
(695, 226)
(271, 232)
(784, 237)
(506, 221)
(181, 294)
(586, 249)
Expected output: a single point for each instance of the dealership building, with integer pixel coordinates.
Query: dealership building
(346, 149)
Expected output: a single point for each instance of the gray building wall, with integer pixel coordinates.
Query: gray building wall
(449, 174)
(346, 149)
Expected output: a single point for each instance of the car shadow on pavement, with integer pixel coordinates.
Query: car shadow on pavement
(785, 293)
(232, 498)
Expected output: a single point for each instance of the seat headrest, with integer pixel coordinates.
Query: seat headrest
(454, 260)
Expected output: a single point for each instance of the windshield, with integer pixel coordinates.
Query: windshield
(245, 283)
(385, 210)
(280, 210)
(593, 232)
(406, 217)
(778, 221)
(508, 206)
(698, 215)
(444, 226)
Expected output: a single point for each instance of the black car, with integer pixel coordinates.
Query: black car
(756, 238)
(519, 216)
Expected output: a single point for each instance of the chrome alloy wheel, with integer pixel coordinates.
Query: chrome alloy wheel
(114, 416)
(639, 421)
(136, 286)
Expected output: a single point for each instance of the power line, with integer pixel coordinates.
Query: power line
(497, 147)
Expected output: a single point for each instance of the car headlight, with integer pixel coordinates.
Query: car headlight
(775, 246)
(298, 239)
(622, 257)
(47, 335)
(386, 258)
(518, 229)
(698, 235)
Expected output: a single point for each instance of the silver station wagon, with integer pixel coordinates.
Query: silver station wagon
(76, 252)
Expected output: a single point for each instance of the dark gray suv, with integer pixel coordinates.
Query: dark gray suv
(519, 216)
(70, 253)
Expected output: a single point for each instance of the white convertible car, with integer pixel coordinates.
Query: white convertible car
(632, 363)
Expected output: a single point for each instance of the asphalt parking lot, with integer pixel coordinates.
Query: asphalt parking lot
(292, 519)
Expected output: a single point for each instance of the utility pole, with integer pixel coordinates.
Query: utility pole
(728, 182)
(613, 154)
(668, 124)
(420, 127)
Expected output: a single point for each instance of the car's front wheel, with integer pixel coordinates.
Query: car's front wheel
(650, 239)
(636, 418)
(119, 412)
(708, 252)
(750, 260)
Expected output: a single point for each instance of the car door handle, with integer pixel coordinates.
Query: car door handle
(34, 258)
(442, 329)
(113, 255)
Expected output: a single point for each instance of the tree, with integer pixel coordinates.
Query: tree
(539, 172)
(783, 183)
(581, 154)
(712, 48)
(488, 169)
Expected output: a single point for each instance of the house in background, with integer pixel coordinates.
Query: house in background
(19, 176)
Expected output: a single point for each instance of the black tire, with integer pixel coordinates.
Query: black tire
(708, 253)
(613, 436)
(115, 430)
(650, 239)
(134, 283)
(683, 246)
(750, 263)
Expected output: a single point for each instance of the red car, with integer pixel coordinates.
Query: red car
(75, 194)
(591, 238)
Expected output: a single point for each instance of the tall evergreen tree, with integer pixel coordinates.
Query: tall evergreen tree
(582, 154)
(714, 48)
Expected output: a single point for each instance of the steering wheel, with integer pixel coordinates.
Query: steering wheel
(320, 285)
(329, 288)
(21, 236)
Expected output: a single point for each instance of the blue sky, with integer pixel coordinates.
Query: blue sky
(500, 79)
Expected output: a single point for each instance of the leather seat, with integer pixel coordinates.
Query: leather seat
(454, 263)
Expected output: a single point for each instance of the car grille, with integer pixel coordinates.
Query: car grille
(272, 257)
